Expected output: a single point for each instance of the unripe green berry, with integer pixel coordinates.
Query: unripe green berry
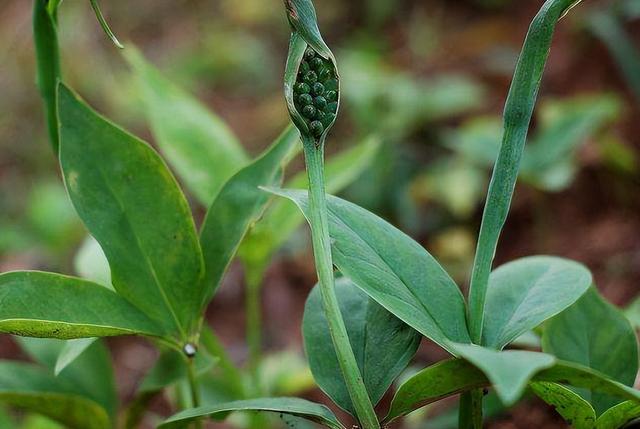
(316, 63)
(331, 85)
(304, 67)
(320, 102)
(320, 115)
(328, 119)
(309, 111)
(305, 99)
(309, 54)
(316, 128)
(310, 77)
(324, 74)
(332, 107)
(331, 96)
(302, 88)
(317, 88)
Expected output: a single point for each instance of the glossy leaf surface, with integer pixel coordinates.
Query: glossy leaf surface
(576, 411)
(196, 142)
(294, 406)
(34, 389)
(133, 206)
(393, 269)
(383, 345)
(239, 204)
(37, 304)
(524, 293)
(594, 333)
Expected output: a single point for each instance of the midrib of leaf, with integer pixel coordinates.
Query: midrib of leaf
(393, 273)
(146, 259)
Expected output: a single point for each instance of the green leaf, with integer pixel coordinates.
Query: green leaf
(294, 406)
(517, 118)
(594, 333)
(36, 304)
(633, 313)
(90, 263)
(197, 143)
(455, 376)
(524, 293)
(575, 410)
(283, 218)
(34, 389)
(383, 345)
(238, 205)
(393, 269)
(618, 416)
(71, 351)
(133, 206)
(509, 371)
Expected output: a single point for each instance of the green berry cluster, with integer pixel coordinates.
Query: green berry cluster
(316, 92)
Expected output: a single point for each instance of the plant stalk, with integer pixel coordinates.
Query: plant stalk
(318, 220)
(195, 391)
(45, 38)
(470, 416)
(254, 317)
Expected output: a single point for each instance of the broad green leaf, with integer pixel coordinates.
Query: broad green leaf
(91, 375)
(34, 389)
(382, 344)
(71, 351)
(618, 416)
(524, 293)
(90, 263)
(197, 143)
(294, 406)
(594, 333)
(454, 376)
(517, 118)
(393, 269)
(283, 217)
(238, 205)
(575, 410)
(133, 206)
(509, 371)
(37, 304)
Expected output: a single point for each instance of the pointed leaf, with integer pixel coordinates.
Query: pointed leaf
(524, 293)
(455, 376)
(37, 304)
(294, 406)
(578, 413)
(283, 218)
(618, 416)
(197, 143)
(238, 205)
(31, 388)
(382, 344)
(131, 204)
(509, 371)
(594, 333)
(90, 263)
(393, 269)
(72, 351)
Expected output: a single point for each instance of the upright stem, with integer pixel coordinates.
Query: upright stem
(195, 390)
(314, 158)
(253, 310)
(471, 410)
(45, 38)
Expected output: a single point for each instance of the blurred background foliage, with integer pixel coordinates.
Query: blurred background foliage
(427, 78)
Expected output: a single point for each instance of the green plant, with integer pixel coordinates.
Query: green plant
(404, 279)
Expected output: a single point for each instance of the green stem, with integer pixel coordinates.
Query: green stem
(314, 159)
(195, 390)
(45, 38)
(254, 317)
(471, 410)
